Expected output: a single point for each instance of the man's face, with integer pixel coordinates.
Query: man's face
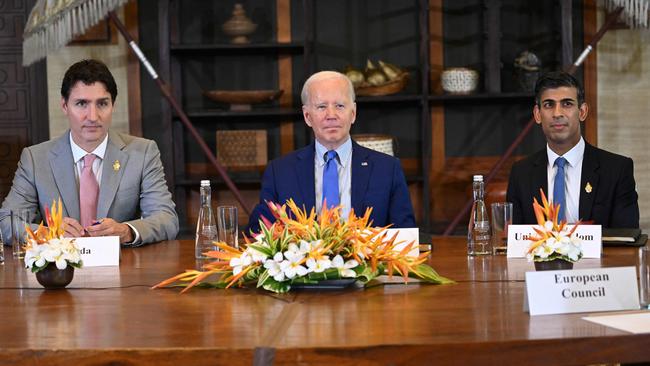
(329, 111)
(90, 110)
(560, 117)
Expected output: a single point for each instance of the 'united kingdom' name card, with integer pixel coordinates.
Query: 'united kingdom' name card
(590, 240)
(99, 251)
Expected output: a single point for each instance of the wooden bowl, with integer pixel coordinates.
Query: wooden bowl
(242, 96)
(390, 87)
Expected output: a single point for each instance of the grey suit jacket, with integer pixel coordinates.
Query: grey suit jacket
(135, 192)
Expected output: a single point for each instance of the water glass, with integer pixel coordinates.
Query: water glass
(227, 225)
(501, 218)
(644, 277)
(19, 218)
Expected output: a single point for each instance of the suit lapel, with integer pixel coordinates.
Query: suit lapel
(360, 170)
(589, 176)
(62, 165)
(539, 178)
(111, 173)
(305, 173)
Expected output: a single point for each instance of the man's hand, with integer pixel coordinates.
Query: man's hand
(110, 227)
(73, 228)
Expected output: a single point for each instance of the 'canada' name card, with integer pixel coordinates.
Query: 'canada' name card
(582, 290)
(99, 250)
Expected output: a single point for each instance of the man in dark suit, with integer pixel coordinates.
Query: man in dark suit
(598, 186)
(365, 178)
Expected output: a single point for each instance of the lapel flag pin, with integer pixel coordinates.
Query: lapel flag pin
(588, 187)
(364, 163)
(116, 165)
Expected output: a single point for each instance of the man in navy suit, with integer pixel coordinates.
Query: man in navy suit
(366, 178)
(598, 185)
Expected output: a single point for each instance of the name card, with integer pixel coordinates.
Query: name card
(99, 251)
(404, 237)
(584, 290)
(590, 236)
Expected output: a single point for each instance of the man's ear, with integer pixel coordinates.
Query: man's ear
(305, 115)
(64, 106)
(584, 111)
(536, 114)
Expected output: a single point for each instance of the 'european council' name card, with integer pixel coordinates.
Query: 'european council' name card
(584, 290)
(590, 240)
(99, 251)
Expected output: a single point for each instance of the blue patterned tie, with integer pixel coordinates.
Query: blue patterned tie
(559, 193)
(331, 180)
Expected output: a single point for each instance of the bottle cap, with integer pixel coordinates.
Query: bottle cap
(478, 178)
(205, 183)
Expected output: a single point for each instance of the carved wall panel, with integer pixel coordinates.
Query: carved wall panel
(23, 92)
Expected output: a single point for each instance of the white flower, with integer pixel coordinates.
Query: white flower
(238, 264)
(293, 250)
(257, 256)
(291, 266)
(345, 268)
(273, 266)
(61, 251)
(318, 265)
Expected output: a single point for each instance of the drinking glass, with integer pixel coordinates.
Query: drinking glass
(2, 249)
(501, 218)
(19, 218)
(644, 277)
(227, 225)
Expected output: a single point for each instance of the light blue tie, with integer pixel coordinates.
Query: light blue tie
(559, 192)
(331, 180)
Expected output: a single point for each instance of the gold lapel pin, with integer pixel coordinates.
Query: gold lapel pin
(116, 165)
(588, 187)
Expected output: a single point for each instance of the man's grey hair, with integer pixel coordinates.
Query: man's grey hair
(322, 75)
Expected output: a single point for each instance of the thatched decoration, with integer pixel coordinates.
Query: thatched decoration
(635, 12)
(53, 23)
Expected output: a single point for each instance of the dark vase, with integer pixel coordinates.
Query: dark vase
(553, 265)
(53, 278)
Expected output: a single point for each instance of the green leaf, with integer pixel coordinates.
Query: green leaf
(262, 249)
(428, 274)
(365, 273)
(275, 286)
(262, 278)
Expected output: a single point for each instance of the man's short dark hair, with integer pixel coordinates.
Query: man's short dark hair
(88, 72)
(557, 79)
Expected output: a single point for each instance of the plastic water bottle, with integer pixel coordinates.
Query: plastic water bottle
(478, 230)
(206, 226)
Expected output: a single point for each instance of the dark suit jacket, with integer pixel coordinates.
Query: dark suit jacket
(612, 201)
(377, 182)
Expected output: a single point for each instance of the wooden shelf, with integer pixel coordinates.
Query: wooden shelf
(480, 96)
(262, 112)
(397, 98)
(233, 49)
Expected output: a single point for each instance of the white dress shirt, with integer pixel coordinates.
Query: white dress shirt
(344, 168)
(78, 157)
(572, 177)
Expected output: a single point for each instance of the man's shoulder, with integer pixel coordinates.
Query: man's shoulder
(606, 157)
(292, 157)
(374, 155)
(130, 140)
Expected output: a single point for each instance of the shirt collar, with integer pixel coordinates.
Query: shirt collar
(78, 153)
(573, 156)
(343, 151)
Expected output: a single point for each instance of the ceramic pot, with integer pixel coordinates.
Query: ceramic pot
(53, 278)
(239, 26)
(554, 265)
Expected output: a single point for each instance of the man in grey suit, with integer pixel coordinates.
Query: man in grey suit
(132, 200)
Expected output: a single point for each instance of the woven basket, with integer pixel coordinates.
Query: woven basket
(377, 142)
(242, 149)
(391, 87)
(459, 80)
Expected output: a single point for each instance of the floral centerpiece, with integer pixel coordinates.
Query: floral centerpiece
(302, 248)
(47, 248)
(554, 241)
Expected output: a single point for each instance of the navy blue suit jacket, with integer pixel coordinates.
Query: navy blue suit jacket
(611, 202)
(377, 182)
